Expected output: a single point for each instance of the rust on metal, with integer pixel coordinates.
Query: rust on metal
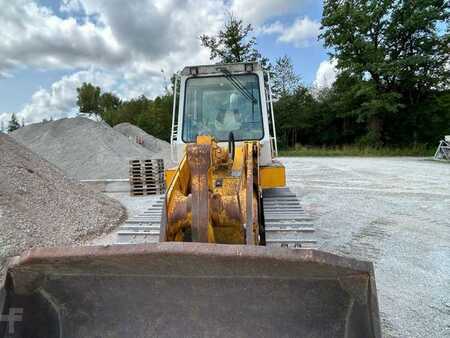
(199, 157)
(217, 186)
(164, 290)
(249, 198)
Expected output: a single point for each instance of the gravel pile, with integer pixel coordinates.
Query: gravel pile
(154, 144)
(39, 206)
(83, 148)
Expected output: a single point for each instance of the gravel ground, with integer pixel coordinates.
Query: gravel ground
(394, 212)
(83, 148)
(39, 206)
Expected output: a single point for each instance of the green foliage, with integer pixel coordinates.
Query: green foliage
(395, 42)
(352, 150)
(234, 44)
(13, 123)
(285, 80)
(88, 99)
(93, 102)
(152, 116)
(355, 115)
(391, 96)
(156, 119)
(108, 104)
(294, 116)
(392, 58)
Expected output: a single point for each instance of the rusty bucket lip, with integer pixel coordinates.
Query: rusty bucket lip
(90, 253)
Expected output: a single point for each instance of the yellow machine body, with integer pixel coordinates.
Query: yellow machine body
(227, 192)
(271, 176)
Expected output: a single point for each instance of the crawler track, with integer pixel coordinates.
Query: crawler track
(143, 228)
(286, 223)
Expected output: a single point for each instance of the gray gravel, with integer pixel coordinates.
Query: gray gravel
(154, 144)
(83, 148)
(396, 213)
(41, 207)
(159, 148)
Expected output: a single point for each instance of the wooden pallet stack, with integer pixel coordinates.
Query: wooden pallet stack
(147, 177)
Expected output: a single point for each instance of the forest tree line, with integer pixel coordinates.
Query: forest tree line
(392, 86)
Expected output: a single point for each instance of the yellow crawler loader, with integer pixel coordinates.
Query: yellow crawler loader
(235, 252)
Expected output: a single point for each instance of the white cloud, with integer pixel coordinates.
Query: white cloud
(107, 34)
(33, 36)
(121, 45)
(326, 74)
(60, 100)
(274, 28)
(256, 12)
(302, 33)
(131, 42)
(156, 31)
(70, 6)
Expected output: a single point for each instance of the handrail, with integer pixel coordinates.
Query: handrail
(174, 123)
(174, 107)
(272, 114)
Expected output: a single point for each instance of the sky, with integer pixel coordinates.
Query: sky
(48, 48)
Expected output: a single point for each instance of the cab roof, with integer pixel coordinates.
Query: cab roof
(241, 67)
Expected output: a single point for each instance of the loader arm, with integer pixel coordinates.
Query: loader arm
(213, 198)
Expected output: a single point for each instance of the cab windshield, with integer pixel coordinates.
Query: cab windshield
(222, 104)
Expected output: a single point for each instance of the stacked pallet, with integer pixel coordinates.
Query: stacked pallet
(147, 177)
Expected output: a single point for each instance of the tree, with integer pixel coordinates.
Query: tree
(396, 42)
(92, 101)
(356, 101)
(108, 106)
(88, 100)
(13, 123)
(153, 116)
(156, 117)
(285, 80)
(233, 43)
(395, 50)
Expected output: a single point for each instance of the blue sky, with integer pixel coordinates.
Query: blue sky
(49, 47)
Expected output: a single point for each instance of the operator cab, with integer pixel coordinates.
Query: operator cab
(221, 99)
(217, 106)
